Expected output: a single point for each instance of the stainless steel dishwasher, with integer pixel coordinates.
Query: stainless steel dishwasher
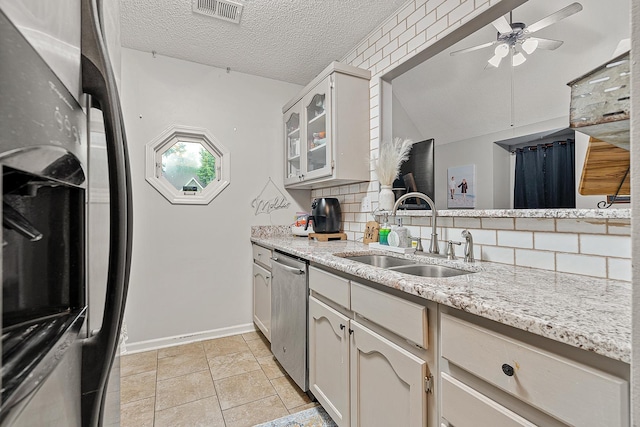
(289, 301)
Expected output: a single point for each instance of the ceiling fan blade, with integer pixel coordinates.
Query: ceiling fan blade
(547, 44)
(502, 25)
(470, 49)
(555, 17)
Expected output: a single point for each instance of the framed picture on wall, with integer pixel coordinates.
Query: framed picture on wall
(461, 187)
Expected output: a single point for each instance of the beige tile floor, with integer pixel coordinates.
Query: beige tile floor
(226, 382)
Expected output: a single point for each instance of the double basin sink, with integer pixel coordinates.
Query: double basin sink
(407, 266)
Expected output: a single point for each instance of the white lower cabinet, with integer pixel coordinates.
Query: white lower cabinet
(262, 299)
(462, 406)
(536, 381)
(387, 382)
(361, 377)
(329, 360)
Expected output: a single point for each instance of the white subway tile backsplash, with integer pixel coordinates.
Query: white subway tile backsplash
(384, 40)
(433, 4)
(391, 23)
(398, 29)
(425, 22)
(406, 11)
(390, 47)
(439, 26)
(335, 191)
(605, 245)
(498, 223)
(424, 221)
(407, 35)
(417, 41)
(581, 264)
(376, 57)
(444, 221)
(447, 7)
(497, 254)
(348, 217)
(619, 269)
(558, 242)
(399, 53)
(369, 52)
(417, 15)
(484, 237)
(461, 11)
(354, 188)
(619, 226)
(515, 239)
(535, 224)
(382, 65)
(535, 259)
(581, 225)
(466, 222)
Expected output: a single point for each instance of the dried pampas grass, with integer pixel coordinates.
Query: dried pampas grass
(391, 156)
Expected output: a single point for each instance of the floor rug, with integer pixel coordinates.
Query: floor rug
(314, 417)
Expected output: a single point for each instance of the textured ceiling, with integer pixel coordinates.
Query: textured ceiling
(288, 40)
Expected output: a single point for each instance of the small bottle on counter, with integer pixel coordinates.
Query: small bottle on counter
(384, 230)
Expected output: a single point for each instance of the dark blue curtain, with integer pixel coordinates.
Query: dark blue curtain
(545, 176)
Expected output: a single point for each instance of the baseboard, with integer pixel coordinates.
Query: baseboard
(138, 347)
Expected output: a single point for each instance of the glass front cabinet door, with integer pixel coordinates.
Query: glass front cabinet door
(317, 115)
(294, 145)
(326, 135)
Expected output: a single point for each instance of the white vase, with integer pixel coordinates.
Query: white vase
(386, 198)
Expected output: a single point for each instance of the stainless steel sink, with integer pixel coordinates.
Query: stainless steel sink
(429, 270)
(382, 261)
(408, 266)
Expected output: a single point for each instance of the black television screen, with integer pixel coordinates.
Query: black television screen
(417, 174)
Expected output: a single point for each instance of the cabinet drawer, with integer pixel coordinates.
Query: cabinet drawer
(572, 392)
(262, 255)
(329, 285)
(463, 406)
(405, 318)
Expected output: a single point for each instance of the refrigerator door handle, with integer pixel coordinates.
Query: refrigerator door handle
(98, 81)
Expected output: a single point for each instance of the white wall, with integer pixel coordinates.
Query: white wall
(191, 266)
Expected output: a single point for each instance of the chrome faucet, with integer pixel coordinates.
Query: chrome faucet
(468, 246)
(433, 247)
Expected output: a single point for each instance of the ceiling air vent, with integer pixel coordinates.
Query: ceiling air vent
(221, 9)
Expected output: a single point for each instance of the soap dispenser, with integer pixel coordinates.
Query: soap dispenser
(403, 235)
(384, 230)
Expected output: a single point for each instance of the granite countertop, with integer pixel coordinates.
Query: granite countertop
(589, 313)
(525, 213)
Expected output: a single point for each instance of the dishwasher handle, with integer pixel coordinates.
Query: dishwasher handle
(287, 268)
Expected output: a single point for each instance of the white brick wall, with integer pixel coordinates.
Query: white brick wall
(598, 248)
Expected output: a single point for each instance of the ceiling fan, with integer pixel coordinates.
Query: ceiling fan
(516, 37)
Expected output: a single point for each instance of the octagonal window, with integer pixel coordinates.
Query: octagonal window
(187, 165)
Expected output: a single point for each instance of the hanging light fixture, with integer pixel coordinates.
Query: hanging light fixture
(516, 37)
(500, 52)
(518, 59)
(530, 45)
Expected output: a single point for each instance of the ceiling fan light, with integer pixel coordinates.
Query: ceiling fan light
(530, 45)
(518, 59)
(495, 60)
(502, 50)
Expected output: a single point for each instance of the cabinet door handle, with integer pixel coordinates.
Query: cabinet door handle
(508, 370)
(350, 331)
(342, 327)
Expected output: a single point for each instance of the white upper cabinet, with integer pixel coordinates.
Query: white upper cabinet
(326, 130)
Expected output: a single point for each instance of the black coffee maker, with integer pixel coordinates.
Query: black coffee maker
(326, 215)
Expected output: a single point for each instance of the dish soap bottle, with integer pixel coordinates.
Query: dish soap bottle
(384, 230)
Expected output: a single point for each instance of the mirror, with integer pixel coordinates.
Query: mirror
(467, 105)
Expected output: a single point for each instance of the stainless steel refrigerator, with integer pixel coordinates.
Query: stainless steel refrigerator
(66, 215)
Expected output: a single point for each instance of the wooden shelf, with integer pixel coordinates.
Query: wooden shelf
(604, 168)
